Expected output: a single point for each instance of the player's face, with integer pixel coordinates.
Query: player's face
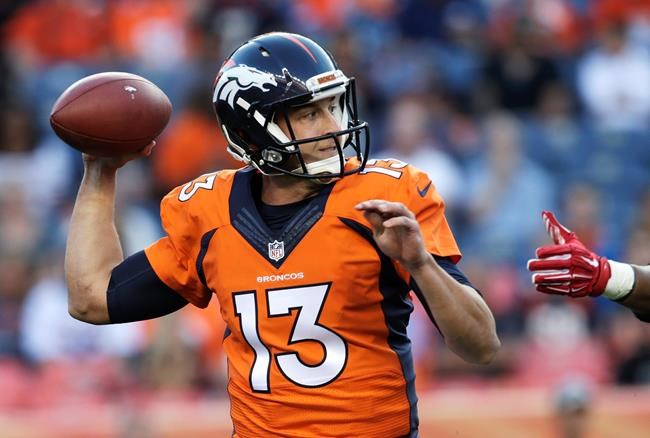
(313, 120)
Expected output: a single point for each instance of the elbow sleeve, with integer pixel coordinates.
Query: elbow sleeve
(135, 292)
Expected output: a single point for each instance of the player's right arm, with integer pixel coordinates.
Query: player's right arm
(102, 286)
(93, 248)
(569, 268)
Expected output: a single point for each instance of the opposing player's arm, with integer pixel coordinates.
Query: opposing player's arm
(461, 314)
(639, 299)
(93, 247)
(569, 268)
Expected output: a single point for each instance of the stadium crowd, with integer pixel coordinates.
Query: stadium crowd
(512, 107)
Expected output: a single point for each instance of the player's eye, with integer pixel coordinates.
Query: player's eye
(309, 115)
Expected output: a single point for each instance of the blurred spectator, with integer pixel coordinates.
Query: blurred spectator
(153, 38)
(403, 67)
(612, 80)
(554, 138)
(642, 220)
(316, 16)
(191, 145)
(152, 33)
(518, 70)
(629, 345)
(44, 32)
(461, 57)
(572, 402)
(462, 135)
(138, 219)
(17, 139)
(506, 193)
(15, 279)
(48, 333)
(40, 166)
(53, 171)
(634, 12)
(560, 22)
(422, 19)
(409, 139)
(20, 231)
(558, 344)
(582, 207)
(17, 133)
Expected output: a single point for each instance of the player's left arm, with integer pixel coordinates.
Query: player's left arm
(461, 314)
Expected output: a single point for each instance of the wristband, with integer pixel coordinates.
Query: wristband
(621, 282)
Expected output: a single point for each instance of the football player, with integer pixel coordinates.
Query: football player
(311, 249)
(569, 268)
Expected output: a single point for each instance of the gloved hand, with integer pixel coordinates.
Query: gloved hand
(567, 267)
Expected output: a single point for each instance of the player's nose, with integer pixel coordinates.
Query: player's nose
(331, 123)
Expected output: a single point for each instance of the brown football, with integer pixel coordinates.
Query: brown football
(110, 113)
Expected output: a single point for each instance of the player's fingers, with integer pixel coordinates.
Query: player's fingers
(375, 219)
(562, 289)
(370, 204)
(386, 208)
(553, 251)
(558, 232)
(551, 277)
(549, 264)
(396, 209)
(552, 264)
(400, 221)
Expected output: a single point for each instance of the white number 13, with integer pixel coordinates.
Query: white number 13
(309, 301)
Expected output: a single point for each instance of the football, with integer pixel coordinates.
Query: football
(109, 114)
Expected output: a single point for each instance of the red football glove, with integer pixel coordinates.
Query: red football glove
(568, 267)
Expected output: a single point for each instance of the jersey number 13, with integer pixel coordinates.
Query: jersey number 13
(308, 300)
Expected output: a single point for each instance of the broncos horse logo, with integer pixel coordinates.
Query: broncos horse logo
(241, 78)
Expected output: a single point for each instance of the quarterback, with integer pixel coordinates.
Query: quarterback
(312, 250)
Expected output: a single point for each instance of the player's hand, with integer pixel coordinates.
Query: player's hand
(114, 163)
(567, 267)
(396, 232)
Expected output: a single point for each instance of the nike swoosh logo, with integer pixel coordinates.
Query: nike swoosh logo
(424, 191)
(592, 262)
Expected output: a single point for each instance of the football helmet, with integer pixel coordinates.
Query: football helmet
(265, 77)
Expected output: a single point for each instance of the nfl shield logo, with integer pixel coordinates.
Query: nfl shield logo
(276, 250)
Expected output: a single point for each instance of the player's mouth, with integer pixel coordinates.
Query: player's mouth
(328, 149)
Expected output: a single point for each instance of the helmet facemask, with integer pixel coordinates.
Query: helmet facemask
(282, 156)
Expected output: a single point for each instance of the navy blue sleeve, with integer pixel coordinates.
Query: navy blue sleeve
(135, 292)
(451, 269)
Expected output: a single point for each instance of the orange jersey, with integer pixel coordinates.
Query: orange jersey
(316, 315)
